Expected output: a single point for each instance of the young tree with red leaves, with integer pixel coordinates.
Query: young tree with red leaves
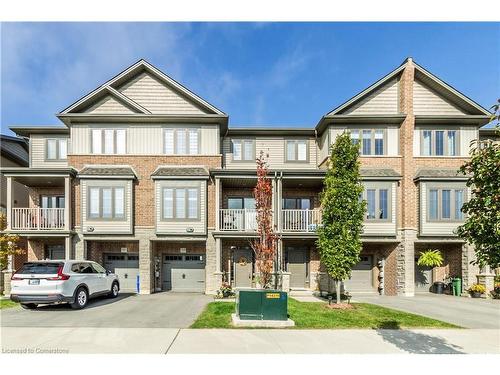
(264, 246)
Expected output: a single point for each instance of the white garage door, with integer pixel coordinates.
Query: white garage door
(361, 276)
(184, 273)
(126, 266)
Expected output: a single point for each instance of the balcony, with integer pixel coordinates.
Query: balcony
(39, 219)
(301, 221)
(238, 220)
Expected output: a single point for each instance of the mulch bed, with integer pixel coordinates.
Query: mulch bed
(341, 306)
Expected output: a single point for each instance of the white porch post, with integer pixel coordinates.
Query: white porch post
(67, 248)
(9, 203)
(217, 204)
(67, 203)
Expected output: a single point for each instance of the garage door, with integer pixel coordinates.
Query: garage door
(361, 276)
(184, 273)
(126, 266)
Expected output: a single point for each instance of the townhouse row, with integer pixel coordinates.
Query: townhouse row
(147, 178)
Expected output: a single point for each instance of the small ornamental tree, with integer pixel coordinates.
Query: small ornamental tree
(339, 243)
(482, 223)
(8, 244)
(264, 246)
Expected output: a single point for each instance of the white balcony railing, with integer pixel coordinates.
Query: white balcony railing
(238, 220)
(37, 218)
(301, 220)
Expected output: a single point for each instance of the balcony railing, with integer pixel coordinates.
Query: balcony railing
(301, 220)
(238, 220)
(37, 218)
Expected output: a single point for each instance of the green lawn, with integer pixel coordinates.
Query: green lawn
(6, 303)
(317, 315)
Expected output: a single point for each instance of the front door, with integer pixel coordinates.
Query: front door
(242, 260)
(297, 266)
(423, 277)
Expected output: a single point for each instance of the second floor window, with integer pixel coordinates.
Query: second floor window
(106, 203)
(181, 141)
(377, 203)
(243, 149)
(439, 143)
(296, 150)
(445, 204)
(180, 203)
(57, 149)
(108, 141)
(372, 141)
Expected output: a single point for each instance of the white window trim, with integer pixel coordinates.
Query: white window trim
(372, 140)
(187, 140)
(58, 149)
(103, 144)
(243, 141)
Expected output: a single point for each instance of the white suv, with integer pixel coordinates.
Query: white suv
(55, 281)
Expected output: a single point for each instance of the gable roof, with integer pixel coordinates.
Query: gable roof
(142, 65)
(422, 75)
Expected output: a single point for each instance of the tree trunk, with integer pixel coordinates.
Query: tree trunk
(337, 287)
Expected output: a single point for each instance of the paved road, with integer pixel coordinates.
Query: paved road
(464, 312)
(160, 310)
(246, 341)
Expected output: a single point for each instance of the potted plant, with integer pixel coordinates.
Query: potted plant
(225, 291)
(432, 258)
(476, 290)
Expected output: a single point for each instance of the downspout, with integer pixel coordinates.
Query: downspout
(316, 147)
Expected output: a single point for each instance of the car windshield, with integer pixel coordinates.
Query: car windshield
(40, 268)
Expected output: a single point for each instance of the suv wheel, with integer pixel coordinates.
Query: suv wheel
(81, 298)
(114, 290)
(29, 306)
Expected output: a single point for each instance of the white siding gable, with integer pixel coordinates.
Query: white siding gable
(383, 100)
(157, 97)
(428, 102)
(109, 105)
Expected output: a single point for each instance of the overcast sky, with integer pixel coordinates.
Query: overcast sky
(258, 73)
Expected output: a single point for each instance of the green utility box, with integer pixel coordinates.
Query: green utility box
(262, 304)
(457, 286)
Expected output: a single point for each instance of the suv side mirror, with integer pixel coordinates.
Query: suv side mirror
(108, 272)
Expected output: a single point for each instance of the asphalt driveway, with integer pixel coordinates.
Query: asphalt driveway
(462, 311)
(160, 310)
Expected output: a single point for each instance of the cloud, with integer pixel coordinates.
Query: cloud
(47, 66)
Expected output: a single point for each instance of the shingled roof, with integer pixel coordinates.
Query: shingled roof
(441, 173)
(180, 172)
(111, 171)
(386, 173)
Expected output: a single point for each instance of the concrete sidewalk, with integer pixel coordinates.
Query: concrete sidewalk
(246, 341)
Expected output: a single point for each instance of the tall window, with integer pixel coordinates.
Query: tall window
(108, 141)
(439, 143)
(377, 202)
(243, 149)
(106, 203)
(181, 141)
(444, 204)
(180, 203)
(296, 150)
(372, 140)
(57, 149)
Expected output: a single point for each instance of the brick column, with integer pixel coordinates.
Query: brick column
(469, 270)
(213, 278)
(145, 265)
(408, 219)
